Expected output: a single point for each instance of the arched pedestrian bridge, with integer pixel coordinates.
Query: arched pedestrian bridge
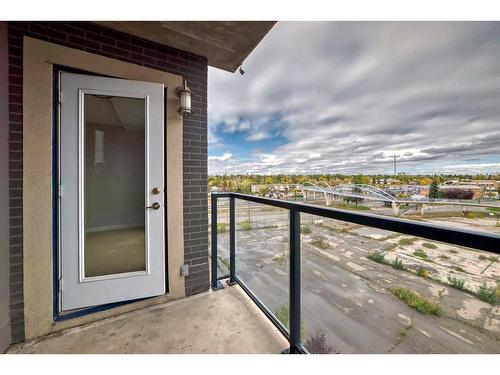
(322, 190)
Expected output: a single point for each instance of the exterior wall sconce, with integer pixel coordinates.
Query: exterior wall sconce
(184, 94)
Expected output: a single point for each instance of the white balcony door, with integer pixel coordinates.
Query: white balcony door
(111, 204)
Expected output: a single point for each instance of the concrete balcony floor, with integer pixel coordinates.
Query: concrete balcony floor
(226, 321)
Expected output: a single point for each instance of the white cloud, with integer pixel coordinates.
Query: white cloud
(224, 157)
(475, 166)
(354, 94)
(213, 140)
(259, 136)
(235, 125)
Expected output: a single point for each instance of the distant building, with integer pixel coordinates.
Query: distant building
(275, 190)
(424, 190)
(477, 190)
(481, 188)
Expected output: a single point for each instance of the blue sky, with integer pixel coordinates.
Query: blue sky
(344, 97)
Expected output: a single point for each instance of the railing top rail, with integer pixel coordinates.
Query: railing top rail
(456, 236)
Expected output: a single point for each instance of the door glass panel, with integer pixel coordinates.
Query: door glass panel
(114, 185)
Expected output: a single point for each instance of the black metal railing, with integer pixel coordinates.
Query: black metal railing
(461, 237)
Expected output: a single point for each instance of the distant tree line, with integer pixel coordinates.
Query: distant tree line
(242, 182)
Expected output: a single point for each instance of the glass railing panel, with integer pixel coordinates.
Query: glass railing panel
(368, 290)
(262, 254)
(222, 235)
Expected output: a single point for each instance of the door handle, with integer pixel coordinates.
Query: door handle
(154, 206)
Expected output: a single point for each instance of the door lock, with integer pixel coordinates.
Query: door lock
(154, 206)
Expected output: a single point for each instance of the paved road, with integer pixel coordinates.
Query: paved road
(347, 297)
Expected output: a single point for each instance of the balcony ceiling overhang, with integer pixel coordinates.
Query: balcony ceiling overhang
(225, 44)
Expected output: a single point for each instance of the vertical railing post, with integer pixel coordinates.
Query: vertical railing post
(294, 281)
(215, 283)
(232, 240)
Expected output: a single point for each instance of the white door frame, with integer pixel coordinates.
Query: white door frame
(76, 290)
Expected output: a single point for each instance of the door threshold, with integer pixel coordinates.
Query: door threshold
(71, 314)
(92, 314)
(74, 318)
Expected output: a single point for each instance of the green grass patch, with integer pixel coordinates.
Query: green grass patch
(420, 254)
(280, 258)
(493, 209)
(398, 264)
(407, 241)
(468, 214)
(429, 245)
(488, 294)
(283, 314)
(350, 206)
(491, 258)
(324, 225)
(221, 227)
(436, 215)
(376, 256)
(343, 230)
(304, 229)
(245, 225)
(476, 214)
(422, 272)
(413, 300)
(320, 243)
(456, 282)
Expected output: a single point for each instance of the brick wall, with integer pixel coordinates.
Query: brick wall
(110, 43)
